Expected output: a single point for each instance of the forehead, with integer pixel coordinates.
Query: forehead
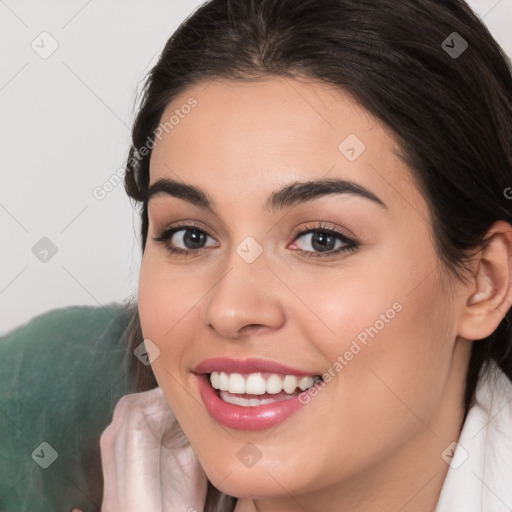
(260, 135)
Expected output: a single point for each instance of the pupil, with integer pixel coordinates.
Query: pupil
(194, 238)
(323, 241)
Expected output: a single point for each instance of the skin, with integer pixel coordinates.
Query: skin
(372, 439)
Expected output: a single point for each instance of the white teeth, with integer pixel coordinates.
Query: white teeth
(274, 384)
(256, 384)
(290, 383)
(236, 383)
(245, 402)
(305, 383)
(215, 380)
(223, 381)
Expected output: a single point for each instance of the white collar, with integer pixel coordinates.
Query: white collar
(480, 475)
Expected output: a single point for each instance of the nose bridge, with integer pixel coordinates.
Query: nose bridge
(244, 294)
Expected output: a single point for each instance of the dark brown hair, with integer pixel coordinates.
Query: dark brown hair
(450, 112)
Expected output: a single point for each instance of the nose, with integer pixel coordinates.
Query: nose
(244, 301)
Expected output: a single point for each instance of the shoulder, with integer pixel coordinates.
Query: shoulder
(81, 321)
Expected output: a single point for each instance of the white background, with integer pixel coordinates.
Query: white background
(64, 130)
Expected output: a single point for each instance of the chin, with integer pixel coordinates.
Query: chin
(258, 482)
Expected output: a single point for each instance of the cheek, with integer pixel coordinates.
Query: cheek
(385, 330)
(165, 303)
(166, 307)
(166, 299)
(348, 310)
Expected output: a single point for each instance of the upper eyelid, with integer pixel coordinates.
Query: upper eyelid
(187, 225)
(326, 226)
(224, 227)
(228, 230)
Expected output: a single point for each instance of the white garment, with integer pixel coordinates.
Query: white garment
(480, 474)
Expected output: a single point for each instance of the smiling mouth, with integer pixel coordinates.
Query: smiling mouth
(255, 389)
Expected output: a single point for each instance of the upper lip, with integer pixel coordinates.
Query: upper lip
(250, 365)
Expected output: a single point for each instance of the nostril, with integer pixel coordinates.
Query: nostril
(252, 328)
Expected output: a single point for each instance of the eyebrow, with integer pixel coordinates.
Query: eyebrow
(290, 195)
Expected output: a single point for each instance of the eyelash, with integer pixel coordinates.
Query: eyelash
(351, 244)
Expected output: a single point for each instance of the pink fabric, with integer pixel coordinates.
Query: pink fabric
(147, 462)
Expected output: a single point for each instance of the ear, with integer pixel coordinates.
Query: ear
(490, 289)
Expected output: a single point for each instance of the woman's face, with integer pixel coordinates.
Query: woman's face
(365, 309)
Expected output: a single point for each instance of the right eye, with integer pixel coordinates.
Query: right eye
(184, 240)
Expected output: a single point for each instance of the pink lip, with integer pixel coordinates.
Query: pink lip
(260, 417)
(254, 365)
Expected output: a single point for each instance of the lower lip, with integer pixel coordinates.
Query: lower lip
(259, 417)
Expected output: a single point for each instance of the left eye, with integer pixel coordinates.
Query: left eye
(320, 241)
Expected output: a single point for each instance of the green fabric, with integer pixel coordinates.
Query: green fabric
(61, 376)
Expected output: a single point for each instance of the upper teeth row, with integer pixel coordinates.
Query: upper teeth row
(255, 384)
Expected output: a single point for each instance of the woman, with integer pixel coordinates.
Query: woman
(327, 257)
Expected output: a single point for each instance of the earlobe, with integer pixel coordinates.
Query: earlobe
(491, 287)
